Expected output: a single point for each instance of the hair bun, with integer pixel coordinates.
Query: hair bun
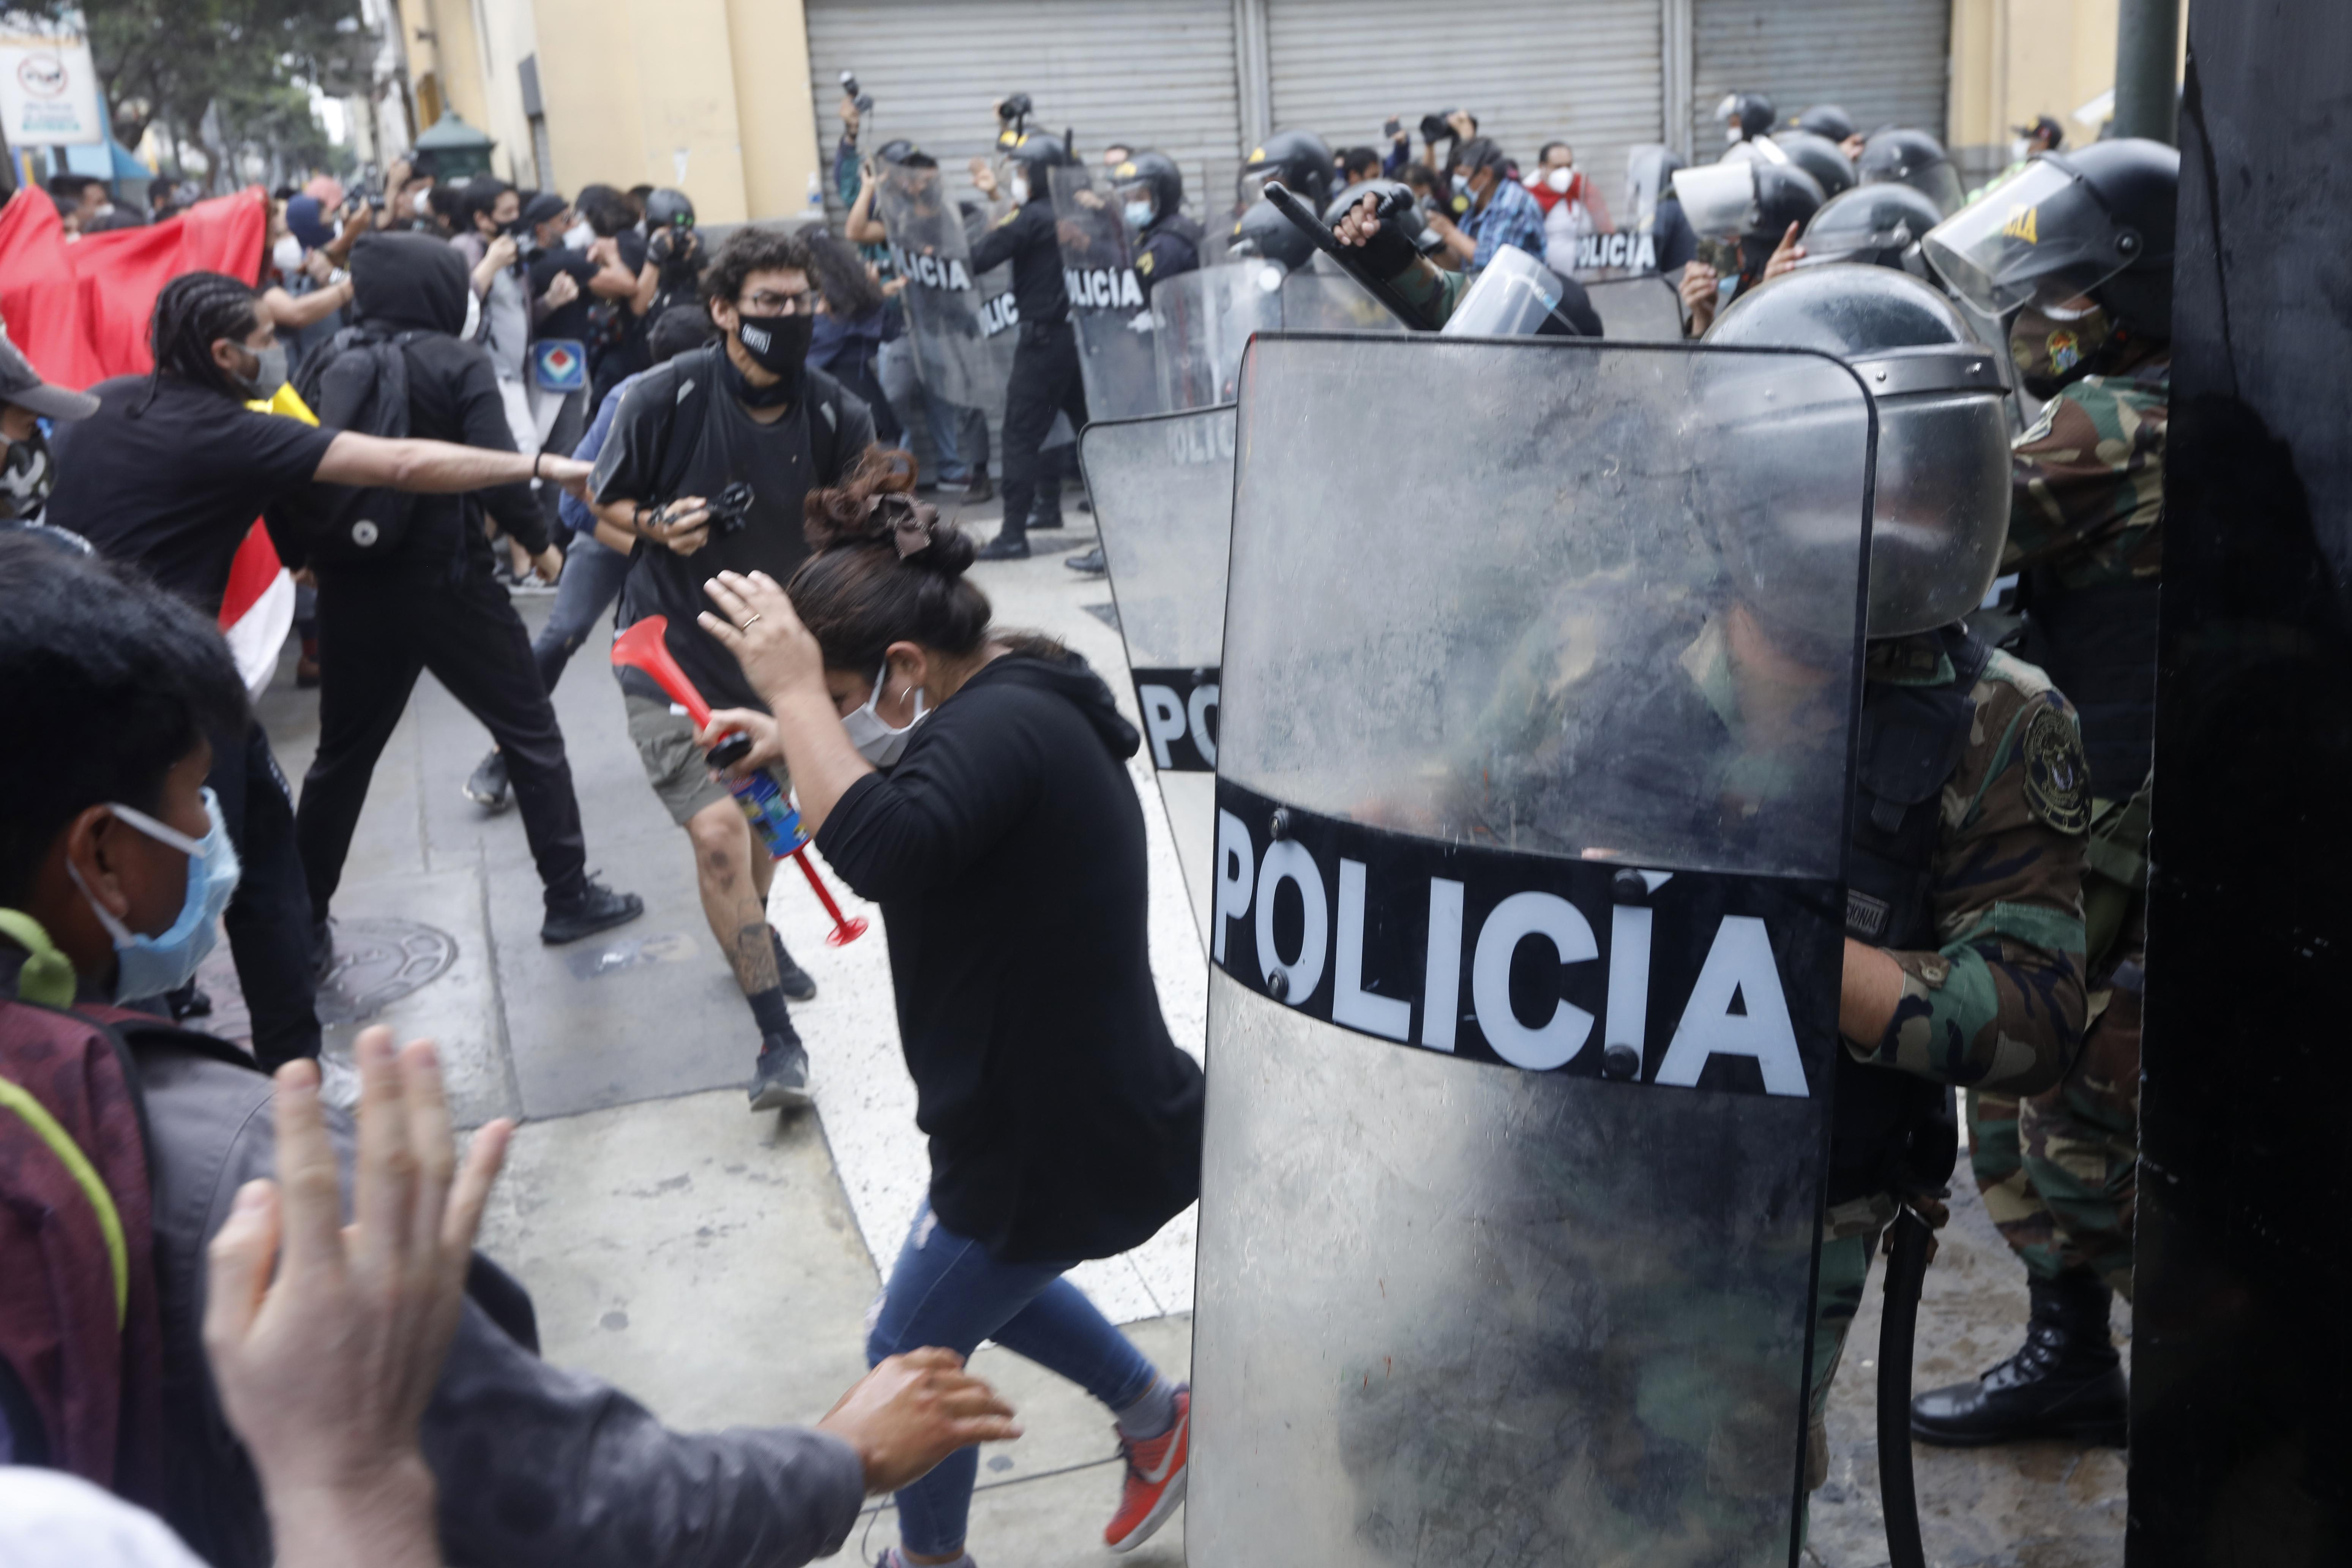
(875, 505)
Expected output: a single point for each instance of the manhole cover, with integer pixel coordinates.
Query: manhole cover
(378, 961)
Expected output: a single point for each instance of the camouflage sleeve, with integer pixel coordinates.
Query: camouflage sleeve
(2001, 1004)
(2088, 493)
(1431, 286)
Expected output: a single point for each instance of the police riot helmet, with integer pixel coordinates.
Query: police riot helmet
(1037, 151)
(1912, 158)
(1744, 114)
(1817, 156)
(1300, 159)
(1262, 230)
(2097, 221)
(1941, 510)
(667, 208)
(1877, 225)
(1827, 121)
(1746, 199)
(900, 151)
(1155, 173)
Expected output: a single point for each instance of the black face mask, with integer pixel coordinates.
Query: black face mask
(779, 345)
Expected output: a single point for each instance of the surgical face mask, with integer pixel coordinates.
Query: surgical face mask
(287, 255)
(1731, 132)
(421, 203)
(875, 740)
(2020, 150)
(27, 475)
(1020, 192)
(1139, 214)
(268, 375)
(579, 236)
(2053, 347)
(150, 965)
(473, 314)
(1559, 180)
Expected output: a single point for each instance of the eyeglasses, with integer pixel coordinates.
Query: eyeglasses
(767, 302)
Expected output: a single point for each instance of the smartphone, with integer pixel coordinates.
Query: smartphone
(1723, 255)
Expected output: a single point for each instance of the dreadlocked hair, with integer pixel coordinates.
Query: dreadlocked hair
(196, 310)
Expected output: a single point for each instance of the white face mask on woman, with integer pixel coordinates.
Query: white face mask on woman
(875, 740)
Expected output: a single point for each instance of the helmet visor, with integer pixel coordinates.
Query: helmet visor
(1254, 182)
(1718, 199)
(2039, 237)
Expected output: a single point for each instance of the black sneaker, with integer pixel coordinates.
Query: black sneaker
(780, 1079)
(597, 907)
(1045, 521)
(798, 986)
(1004, 547)
(1091, 561)
(489, 788)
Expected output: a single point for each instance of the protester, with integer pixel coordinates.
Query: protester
(421, 596)
(952, 771)
(123, 682)
(853, 323)
(1490, 209)
(746, 411)
(169, 474)
(597, 562)
(29, 471)
(1571, 205)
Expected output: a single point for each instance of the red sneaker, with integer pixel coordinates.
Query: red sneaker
(1155, 1478)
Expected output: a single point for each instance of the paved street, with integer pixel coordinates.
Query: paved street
(718, 1264)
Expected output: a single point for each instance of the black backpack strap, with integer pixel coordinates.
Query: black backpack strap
(826, 414)
(692, 373)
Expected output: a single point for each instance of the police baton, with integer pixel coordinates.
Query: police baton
(1350, 258)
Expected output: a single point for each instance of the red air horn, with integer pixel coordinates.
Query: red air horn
(771, 816)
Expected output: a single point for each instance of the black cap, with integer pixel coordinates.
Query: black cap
(21, 385)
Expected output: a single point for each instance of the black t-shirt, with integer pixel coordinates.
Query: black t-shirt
(1065, 1123)
(776, 461)
(570, 320)
(175, 485)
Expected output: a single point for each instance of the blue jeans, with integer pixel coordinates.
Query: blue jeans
(592, 574)
(947, 1291)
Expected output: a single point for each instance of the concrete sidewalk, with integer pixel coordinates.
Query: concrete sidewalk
(718, 1264)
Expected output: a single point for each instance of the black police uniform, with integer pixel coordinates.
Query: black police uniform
(1170, 248)
(1044, 377)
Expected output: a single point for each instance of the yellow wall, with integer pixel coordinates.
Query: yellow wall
(2015, 60)
(629, 85)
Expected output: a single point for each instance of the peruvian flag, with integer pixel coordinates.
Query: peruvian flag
(79, 312)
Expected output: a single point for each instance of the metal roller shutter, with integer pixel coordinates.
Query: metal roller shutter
(1586, 72)
(1886, 62)
(1151, 73)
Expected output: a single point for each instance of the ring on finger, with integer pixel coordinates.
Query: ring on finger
(749, 619)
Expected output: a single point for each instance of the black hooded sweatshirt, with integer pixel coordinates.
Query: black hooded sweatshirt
(414, 283)
(1006, 849)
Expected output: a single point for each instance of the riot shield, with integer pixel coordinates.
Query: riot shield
(1527, 936)
(1106, 308)
(961, 323)
(1202, 320)
(1643, 309)
(1163, 493)
(1319, 297)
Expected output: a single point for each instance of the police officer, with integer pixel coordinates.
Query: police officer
(1964, 940)
(1262, 231)
(1149, 190)
(1745, 116)
(1759, 215)
(1300, 159)
(1044, 379)
(1915, 159)
(2088, 236)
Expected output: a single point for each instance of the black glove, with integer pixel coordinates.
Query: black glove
(1388, 253)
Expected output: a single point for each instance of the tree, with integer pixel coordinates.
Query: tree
(168, 60)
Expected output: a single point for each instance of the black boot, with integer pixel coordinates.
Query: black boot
(2065, 1382)
(594, 909)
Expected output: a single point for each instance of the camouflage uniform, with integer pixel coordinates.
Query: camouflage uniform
(2001, 995)
(2058, 1170)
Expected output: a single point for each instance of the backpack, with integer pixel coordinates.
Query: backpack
(692, 375)
(82, 1338)
(358, 380)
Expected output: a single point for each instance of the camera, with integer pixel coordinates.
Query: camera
(864, 101)
(1016, 108)
(1433, 127)
(1391, 127)
(728, 507)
